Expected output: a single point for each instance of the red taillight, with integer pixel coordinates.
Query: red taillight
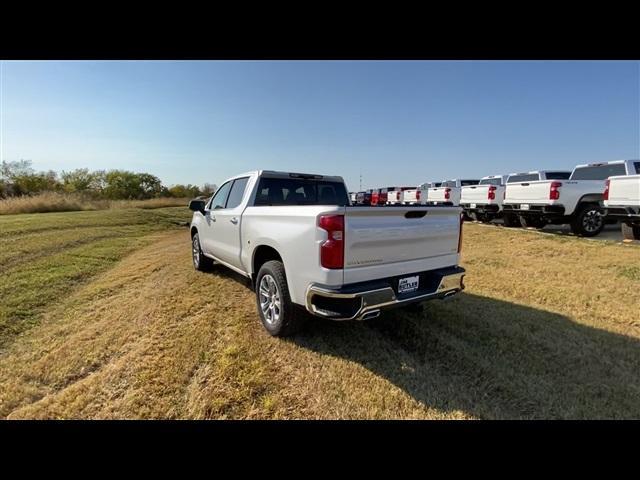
(491, 194)
(374, 198)
(605, 196)
(332, 249)
(417, 194)
(447, 193)
(554, 193)
(460, 234)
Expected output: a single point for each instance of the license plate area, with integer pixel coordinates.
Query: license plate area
(408, 284)
(473, 205)
(524, 206)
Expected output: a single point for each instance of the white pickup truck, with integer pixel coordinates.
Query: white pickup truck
(448, 193)
(517, 189)
(621, 200)
(418, 195)
(575, 201)
(483, 202)
(304, 247)
(396, 197)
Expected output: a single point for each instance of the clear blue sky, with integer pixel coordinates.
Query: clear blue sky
(396, 122)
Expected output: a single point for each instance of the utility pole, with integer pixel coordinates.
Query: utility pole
(360, 181)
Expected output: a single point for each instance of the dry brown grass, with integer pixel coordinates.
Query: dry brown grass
(59, 202)
(547, 328)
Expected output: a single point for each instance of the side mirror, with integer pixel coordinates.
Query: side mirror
(197, 206)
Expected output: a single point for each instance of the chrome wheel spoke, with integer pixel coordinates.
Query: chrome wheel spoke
(269, 299)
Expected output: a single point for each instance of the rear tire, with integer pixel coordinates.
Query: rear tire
(534, 222)
(279, 315)
(200, 262)
(588, 221)
(630, 232)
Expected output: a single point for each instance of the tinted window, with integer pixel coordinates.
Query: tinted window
(436, 184)
(601, 172)
(220, 198)
(558, 175)
(637, 165)
(491, 181)
(296, 191)
(237, 191)
(465, 183)
(525, 177)
(448, 184)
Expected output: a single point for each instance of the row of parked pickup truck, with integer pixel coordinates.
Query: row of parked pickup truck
(585, 198)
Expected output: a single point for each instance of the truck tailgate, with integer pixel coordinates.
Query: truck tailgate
(534, 192)
(436, 194)
(474, 194)
(624, 190)
(384, 242)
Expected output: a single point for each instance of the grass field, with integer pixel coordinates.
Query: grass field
(69, 202)
(103, 316)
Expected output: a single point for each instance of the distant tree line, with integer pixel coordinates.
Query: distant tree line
(19, 178)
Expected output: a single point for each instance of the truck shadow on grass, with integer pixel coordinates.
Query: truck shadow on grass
(492, 359)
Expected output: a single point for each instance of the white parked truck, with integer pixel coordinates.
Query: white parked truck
(517, 189)
(396, 197)
(418, 195)
(448, 193)
(305, 248)
(575, 201)
(483, 202)
(621, 200)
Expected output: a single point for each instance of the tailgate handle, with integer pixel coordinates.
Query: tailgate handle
(418, 214)
(524, 184)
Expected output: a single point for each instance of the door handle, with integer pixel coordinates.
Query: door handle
(233, 220)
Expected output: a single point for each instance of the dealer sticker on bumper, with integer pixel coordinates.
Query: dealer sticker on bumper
(408, 284)
(524, 206)
(473, 205)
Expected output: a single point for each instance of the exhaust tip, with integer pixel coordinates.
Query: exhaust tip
(371, 315)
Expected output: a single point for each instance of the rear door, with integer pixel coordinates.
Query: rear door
(380, 243)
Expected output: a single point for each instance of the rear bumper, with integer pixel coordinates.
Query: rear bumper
(364, 300)
(481, 208)
(534, 209)
(631, 214)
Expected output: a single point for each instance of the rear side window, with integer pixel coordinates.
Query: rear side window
(297, 191)
(525, 177)
(237, 192)
(558, 175)
(466, 183)
(600, 172)
(491, 181)
(220, 198)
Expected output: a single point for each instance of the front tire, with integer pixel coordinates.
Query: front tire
(200, 262)
(279, 315)
(588, 222)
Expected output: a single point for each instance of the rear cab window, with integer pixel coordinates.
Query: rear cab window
(637, 165)
(557, 175)
(524, 177)
(598, 172)
(491, 181)
(466, 183)
(300, 191)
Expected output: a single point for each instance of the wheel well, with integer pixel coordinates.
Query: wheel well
(194, 230)
(589, 198)
(262, 255)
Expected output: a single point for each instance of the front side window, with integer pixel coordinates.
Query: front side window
(220, 198)
(237, 192)
(599, 172)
